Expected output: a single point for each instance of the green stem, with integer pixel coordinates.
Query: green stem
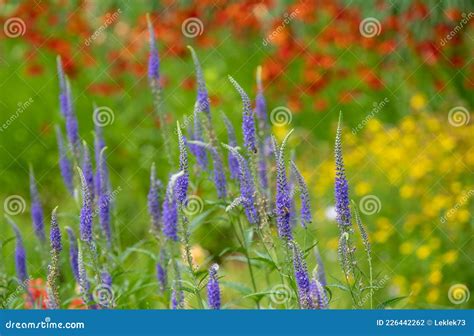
(369, 260)
(243, 243)
(189, 258)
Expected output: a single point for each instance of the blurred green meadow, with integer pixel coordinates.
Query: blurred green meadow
(404, 84)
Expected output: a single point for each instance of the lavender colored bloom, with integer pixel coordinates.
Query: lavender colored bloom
(176, 303)
(86, 210)
(104, 198)
(73, 253)
(106, 279)
(153, 200)
(262, 166)
(20, 255)
(248, 123)
(161, 276)
(260, 103)
(247, 188)
(302, 278)
(182, 181)
(63, 95)
(196, 135)
(87, 170)
(202, 97)
(232, 141)
(65, 103)
(36, 209)
(304, 196)
(154, 59)
(170, 210)
(213, 290)
(219, 174)
(282, 198)
(72, 128)
(55, 235)
(318, 294)
(341, 190)
(65, 165)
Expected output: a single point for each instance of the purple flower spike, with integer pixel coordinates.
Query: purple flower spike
(72, 129)
(202, 97)
(86, 210)
(67, 111)
(213, 290)
(170, 210)
(196, 135)
(36, 209)
(248, 123)
(232, 141)
(247, 187)
(302, 278)
(161, 276)
(64, 163)
(154, 59)
(283, 200)
(104, 198)
(153, 200)
(106, 279)
(260, 103)
(304, 196)
(219, 174)
(182, 181)
(87, 170)
(341, 190)
(73, 253)
(63, 95)
(55, 235)
(20, 255)
(318, 295)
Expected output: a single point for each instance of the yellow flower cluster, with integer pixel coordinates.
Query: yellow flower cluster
(421, 171)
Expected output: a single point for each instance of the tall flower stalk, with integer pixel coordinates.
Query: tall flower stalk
(67, 111)
(343, 212)
(213, 290)
(248, 122)
(155, 85)
(302, 278)
(282, 196)
(36, 209)
(53, 268)
(65, 165)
